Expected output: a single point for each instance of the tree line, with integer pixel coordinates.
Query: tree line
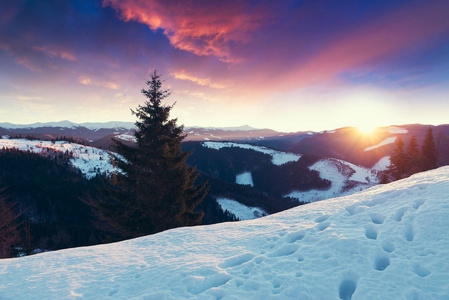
(406, 161)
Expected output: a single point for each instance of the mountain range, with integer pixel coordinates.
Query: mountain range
(242, 162)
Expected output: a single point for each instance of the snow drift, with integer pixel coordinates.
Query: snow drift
(387, 242)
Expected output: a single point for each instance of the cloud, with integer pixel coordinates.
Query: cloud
(411, 28)
(106, 84)
(52, 52)
(208, 28)
(182, 75)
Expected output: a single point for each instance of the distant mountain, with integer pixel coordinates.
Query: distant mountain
(100, 134)
(351, 145)
(68, 124)
(283, 175)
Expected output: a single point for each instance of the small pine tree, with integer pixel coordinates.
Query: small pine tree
(398, 164)
(154, 189)
(413, 157)
(429, 152)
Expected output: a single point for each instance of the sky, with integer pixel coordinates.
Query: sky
(285, 65)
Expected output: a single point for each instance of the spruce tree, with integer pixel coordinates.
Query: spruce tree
(154, 189)
(413, 157)
(398, 164)
(429, 152)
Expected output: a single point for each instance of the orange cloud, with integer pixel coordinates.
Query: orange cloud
(56, 53)
(107, 84)
(212, 28)
(182, 75)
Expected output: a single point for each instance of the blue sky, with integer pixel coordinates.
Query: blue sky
(286, 65)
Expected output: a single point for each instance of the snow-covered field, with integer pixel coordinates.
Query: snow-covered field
(387, 242)
(340, 173)
(245, 178)
(277, 157)
(387, 141)
(89, 160)
(239, 210)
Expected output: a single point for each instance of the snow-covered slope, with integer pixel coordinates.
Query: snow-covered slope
(277, 157)
(239, 210)
(387, 242)
(345, 178)
(89, 160)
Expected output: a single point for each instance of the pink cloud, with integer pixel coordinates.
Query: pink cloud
(212, 28)
(106, 84)
(53, 52)
(416, 25)
(182, 75)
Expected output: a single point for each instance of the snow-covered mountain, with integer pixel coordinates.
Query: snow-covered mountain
(89, 160)
(387, 242)
(68, 124)
(279, 174)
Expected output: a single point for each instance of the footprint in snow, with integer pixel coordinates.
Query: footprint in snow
(371, 231)
(418, 203)
(381, 262)
(377, 218)
(322, 226)
(347, 289)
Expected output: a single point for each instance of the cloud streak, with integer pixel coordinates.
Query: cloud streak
(211, 28)
(106, 84)
(182, 75)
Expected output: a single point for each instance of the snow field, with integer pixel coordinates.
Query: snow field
(338, 172)
(239, 210)
(397, 130)
(382, 164)
(387, 242)
(387, 141)
(89, 160)
(277, 157)
(244, 178)
(127, 137)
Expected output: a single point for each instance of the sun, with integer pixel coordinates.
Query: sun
(367, 128)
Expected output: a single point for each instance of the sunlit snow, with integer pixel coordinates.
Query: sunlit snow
(397, 130)
(89, 160)
(338, 172)
(388, 242)
(239, 210)
(387, 141)
(278, 157)
(382, 164)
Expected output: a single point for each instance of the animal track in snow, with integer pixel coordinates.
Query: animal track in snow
(354, 209)
(410, 232)
(285, 250)
(388, 246)
(198, 284)
(347, 289)
(399, 214)
(236, 260)
(418, 203)
(322, 226)
(381, 262)
(371, 231)
(377, 218)
(321, 218)
(420, 270)
(295, 236)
